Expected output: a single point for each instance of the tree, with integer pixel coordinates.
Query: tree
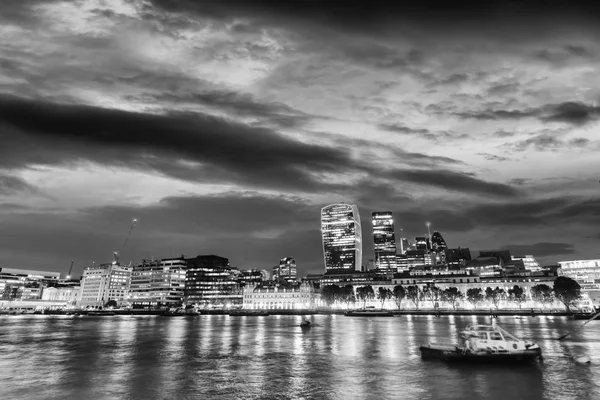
(414, 294)
(452, 295)
(432, 293)
(111, 303)
(567, 291)
(365, 293)
(347, 295)
(399, 294)
(384, 294)
(517, 295)
(495, 295)
(543, 294)
(330, 293)
(474, 296)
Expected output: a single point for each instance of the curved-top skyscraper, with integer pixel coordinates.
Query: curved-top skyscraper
(342, 238)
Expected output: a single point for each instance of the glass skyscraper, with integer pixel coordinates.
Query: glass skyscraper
(384, 240)
(342, 238)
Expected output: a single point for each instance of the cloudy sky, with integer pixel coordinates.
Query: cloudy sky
(224, 127)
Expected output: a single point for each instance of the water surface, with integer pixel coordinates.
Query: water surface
(223, 357)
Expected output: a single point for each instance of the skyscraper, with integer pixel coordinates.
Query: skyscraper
(437, 242)
(342, 238)
(384, 240)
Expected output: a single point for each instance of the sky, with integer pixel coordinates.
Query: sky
(224, 127)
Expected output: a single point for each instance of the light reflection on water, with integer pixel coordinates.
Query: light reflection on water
(143, 357)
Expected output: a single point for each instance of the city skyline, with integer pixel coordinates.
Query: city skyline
(224, 128)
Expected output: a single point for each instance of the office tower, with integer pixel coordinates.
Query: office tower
(437, 242)
(342, 238)
(105, 282)
(384, 240)
(211, 282)
(158, 283)
(285, 271)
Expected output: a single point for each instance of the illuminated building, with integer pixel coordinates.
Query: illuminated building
(529, 262)
(584, 272)
(251, 277)
(210, 281)
(158, 283)
(422, 243)
(23, 284)
(292, 297)
(384, 241)
(342, 238)
(286, 270)
(104, 282)
(437, 242)
(66, 294)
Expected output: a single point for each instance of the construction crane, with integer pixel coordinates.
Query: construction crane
(116, 253)
(70, 270)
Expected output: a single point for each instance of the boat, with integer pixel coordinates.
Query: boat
(369, 313)
(305, 323)
(483, 343)
(100, 313)
(249, 314)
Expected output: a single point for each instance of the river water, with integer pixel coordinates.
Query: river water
(223, 357)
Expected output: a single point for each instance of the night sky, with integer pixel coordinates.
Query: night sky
(224, 127)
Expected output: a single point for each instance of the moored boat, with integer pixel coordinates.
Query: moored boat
(484, 343)
(368, 313)
(100, 313)
(249, 313)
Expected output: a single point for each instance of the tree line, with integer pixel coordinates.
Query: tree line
(564, 289)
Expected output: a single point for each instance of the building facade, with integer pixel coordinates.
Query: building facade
(288, 297)
(342, 238)
(68, 295)
(158, 283)
(211, 282)
(384, 241)
(22, 284)
(104, 282)
(584, 272)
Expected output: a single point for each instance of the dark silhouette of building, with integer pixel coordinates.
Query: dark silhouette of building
(503, 255)
(457, 257)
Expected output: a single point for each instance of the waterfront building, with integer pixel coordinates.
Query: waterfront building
(342, 238)
(158, 283)
(584, 272)
(210, 282)
(287, 297)
(416, 258)
(286, 270)
(68, 295)
(23, 284)
(384, 241)
(341, 279)
(104, 282)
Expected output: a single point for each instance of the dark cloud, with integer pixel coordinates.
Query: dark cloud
(569, 112)
(456, 181)
(46, 133)
(453, 79)
(542, 249)
(547, 142)
(519, 181)
(572, 113)
(10, 184)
